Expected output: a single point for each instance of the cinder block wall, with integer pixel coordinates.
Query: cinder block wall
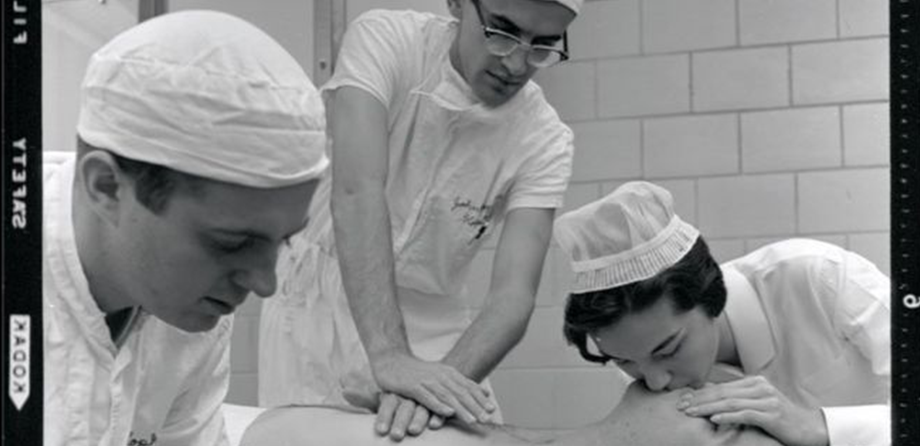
(765, 119)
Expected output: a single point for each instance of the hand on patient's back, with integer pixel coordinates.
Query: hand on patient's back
(755, 401)
(395, 415)
(398, 417)
(644, 417)
(440, 388)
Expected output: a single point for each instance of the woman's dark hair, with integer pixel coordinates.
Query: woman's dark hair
(694, 281)
(154, 184)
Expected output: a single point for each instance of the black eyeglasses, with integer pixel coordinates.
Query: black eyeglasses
(501, 44)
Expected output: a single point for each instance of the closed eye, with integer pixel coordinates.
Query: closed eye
(232, 246)
(547, 42)
(671, 353)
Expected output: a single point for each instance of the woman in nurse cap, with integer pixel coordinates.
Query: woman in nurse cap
(792, 338)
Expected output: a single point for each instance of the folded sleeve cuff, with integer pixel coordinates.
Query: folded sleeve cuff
(858, 425)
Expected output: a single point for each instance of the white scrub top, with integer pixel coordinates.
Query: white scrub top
(814, 320)
(163, 386)
(456, 168)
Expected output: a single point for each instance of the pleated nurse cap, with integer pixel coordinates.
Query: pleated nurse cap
(630, 235)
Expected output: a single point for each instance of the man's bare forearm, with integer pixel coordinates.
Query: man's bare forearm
(361, 219)
(494, 332)
(502, 322)
(364, 247)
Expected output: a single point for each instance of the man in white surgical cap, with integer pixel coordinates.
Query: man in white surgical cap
(200, 143)
(439, 138)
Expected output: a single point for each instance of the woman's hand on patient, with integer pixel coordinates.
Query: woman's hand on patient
(755, 401)
(440, 388)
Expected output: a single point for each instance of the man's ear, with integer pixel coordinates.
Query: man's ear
(104, 184)
(456, 8)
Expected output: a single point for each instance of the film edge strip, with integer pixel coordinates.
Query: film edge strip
(904, 50)
(21, 171)
(22, 223)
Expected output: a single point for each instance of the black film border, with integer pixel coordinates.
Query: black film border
(22, 222)
(904, 51)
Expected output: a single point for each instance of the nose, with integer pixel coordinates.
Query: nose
(258, 274)
(516, 62)
(656, 378)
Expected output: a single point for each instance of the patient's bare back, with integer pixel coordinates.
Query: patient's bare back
(642, 418)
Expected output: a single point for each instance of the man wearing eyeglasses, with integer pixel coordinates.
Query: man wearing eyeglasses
(439, 137)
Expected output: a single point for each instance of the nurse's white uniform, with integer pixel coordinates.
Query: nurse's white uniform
(814, 319)
(455, 169)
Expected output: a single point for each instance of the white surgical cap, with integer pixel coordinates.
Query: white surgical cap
(207, 94)
(574, 5)
(627, 236)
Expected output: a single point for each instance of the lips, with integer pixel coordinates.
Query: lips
(221, 306)
(503, 80)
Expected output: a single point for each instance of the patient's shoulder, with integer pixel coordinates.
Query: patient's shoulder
(654, 418)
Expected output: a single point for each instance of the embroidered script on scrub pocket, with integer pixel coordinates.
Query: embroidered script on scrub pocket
(478, 218)
(142, 441)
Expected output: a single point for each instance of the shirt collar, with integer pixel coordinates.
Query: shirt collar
(451, 92)
(747, 321)
(64, 261)
(134, 317)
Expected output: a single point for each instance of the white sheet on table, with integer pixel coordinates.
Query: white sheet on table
(237, 419)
